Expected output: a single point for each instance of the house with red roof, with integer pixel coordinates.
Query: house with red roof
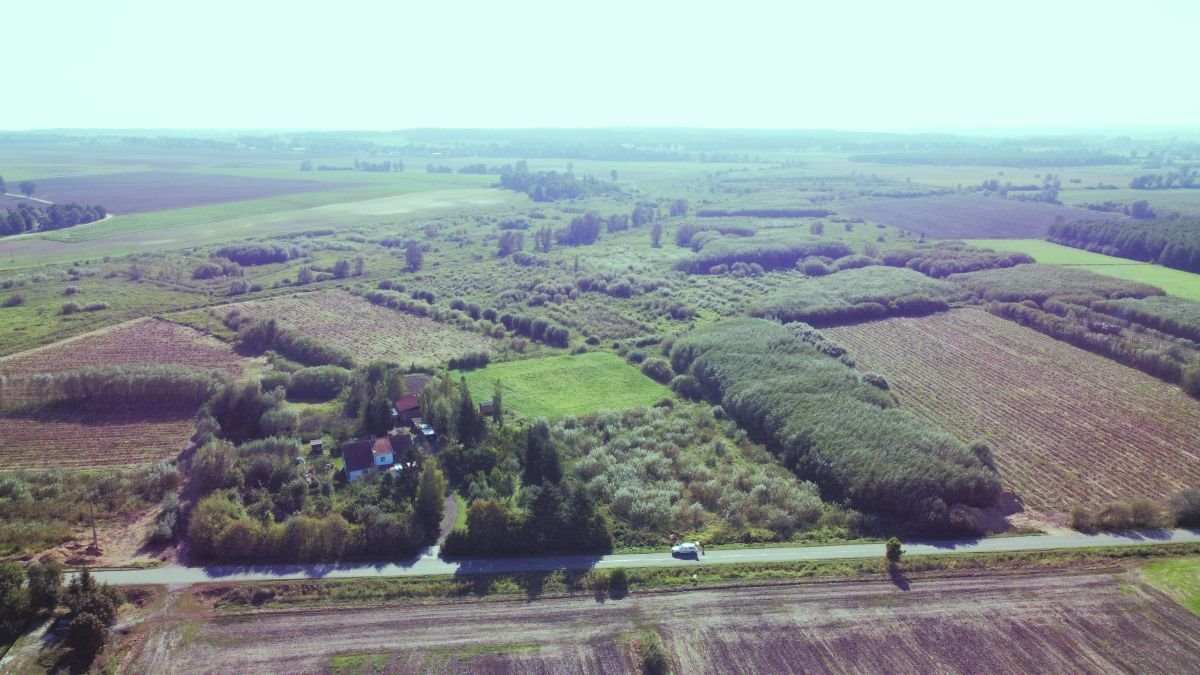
(375, 454)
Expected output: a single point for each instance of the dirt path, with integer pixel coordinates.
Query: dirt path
(449, 515)
(1096, 622)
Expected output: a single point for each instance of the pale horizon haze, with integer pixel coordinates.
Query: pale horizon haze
(359, 64)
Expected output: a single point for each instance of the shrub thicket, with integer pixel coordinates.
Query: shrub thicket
(772, 253)
(829, 425)
(856, 295)
(1039, 282)
(946, 258)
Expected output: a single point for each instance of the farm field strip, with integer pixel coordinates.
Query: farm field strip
(1066, 426)
(144, 191)
(71, 438)
(963, 216)
(368, 331)
(1174, 282)
(1089, 622)
(557, 386)
(142, 341)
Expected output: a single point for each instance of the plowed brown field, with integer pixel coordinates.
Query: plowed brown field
(1066, 426)
(1071, 623)
(367, 331)
(135, 342)
(90, 437)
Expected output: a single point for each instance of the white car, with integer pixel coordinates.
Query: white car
(687, 549)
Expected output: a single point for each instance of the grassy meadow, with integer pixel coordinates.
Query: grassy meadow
(1174, 282)
(1178, 578)
(558, 386)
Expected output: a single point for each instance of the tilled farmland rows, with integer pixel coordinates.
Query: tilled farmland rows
(1066, 623)
(144, 341)
(369, 332)
(1066, 426)
(90, 438)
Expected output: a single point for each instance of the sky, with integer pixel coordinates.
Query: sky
(394, 64)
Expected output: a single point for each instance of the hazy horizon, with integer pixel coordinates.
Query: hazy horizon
(932, 66)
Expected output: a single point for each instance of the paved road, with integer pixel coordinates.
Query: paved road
(430, 564)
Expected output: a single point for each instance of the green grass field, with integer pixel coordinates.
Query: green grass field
(1174, 282)
(558, 386)
(1179, 579)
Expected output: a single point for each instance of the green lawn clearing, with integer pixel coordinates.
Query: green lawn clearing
(1174, 282)
(1179, 579)
(558, 386)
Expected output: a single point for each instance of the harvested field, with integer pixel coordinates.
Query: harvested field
(1066, 426)
(62, 437)
(368, 331)
(135, 342)
(1092, 623)
(144, 191)
(965, 216)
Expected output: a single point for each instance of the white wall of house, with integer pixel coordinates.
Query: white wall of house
(354, 475)
(381, 460)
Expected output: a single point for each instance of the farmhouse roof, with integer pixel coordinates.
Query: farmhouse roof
(408, 403)
(391, 444)
(415, 384)
(358, 454)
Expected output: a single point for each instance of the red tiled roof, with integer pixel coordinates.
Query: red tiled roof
(408, 403)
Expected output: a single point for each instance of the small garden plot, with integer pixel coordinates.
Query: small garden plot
(558, 386)
(135, 342)
(367, 331)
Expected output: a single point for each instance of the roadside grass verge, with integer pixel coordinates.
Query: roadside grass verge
(558, 386)
(531, 585)
(1174, 282)
(1179, 578)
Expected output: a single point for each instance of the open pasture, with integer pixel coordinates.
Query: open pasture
(1174, 282)
(144, 341)
(964, 216)
(1066, 426)
(557, 386)
(369, 332)
(144, 191)
(1088, 622)
(65, 437)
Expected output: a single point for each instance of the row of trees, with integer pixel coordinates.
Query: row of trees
(946, 258)
(1172, 243)
(91, 607)
(26, 218)
(256, 336)
(550, 186)
(772, 253)
(1165, 365)
(830, 426)
(112, 385)
(249, 254)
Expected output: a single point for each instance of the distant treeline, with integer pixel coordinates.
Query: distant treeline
(982, 156)
(946, 258)
(764, 213)
(257, 254)
(1184, 178)
(686, 233)
(115, 386)
(770, 253)
(26, 218)
(1172, 243)
(830, 426)
(550, 186)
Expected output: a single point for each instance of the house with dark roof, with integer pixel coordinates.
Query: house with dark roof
(375, 454)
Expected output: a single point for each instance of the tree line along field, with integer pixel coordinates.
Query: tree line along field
(557, 386)
(369, 332)
(1174, 282)
(1086, 622)
(1066, 426)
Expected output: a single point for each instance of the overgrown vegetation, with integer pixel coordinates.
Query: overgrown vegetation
(1172, 243)
(827, 424)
